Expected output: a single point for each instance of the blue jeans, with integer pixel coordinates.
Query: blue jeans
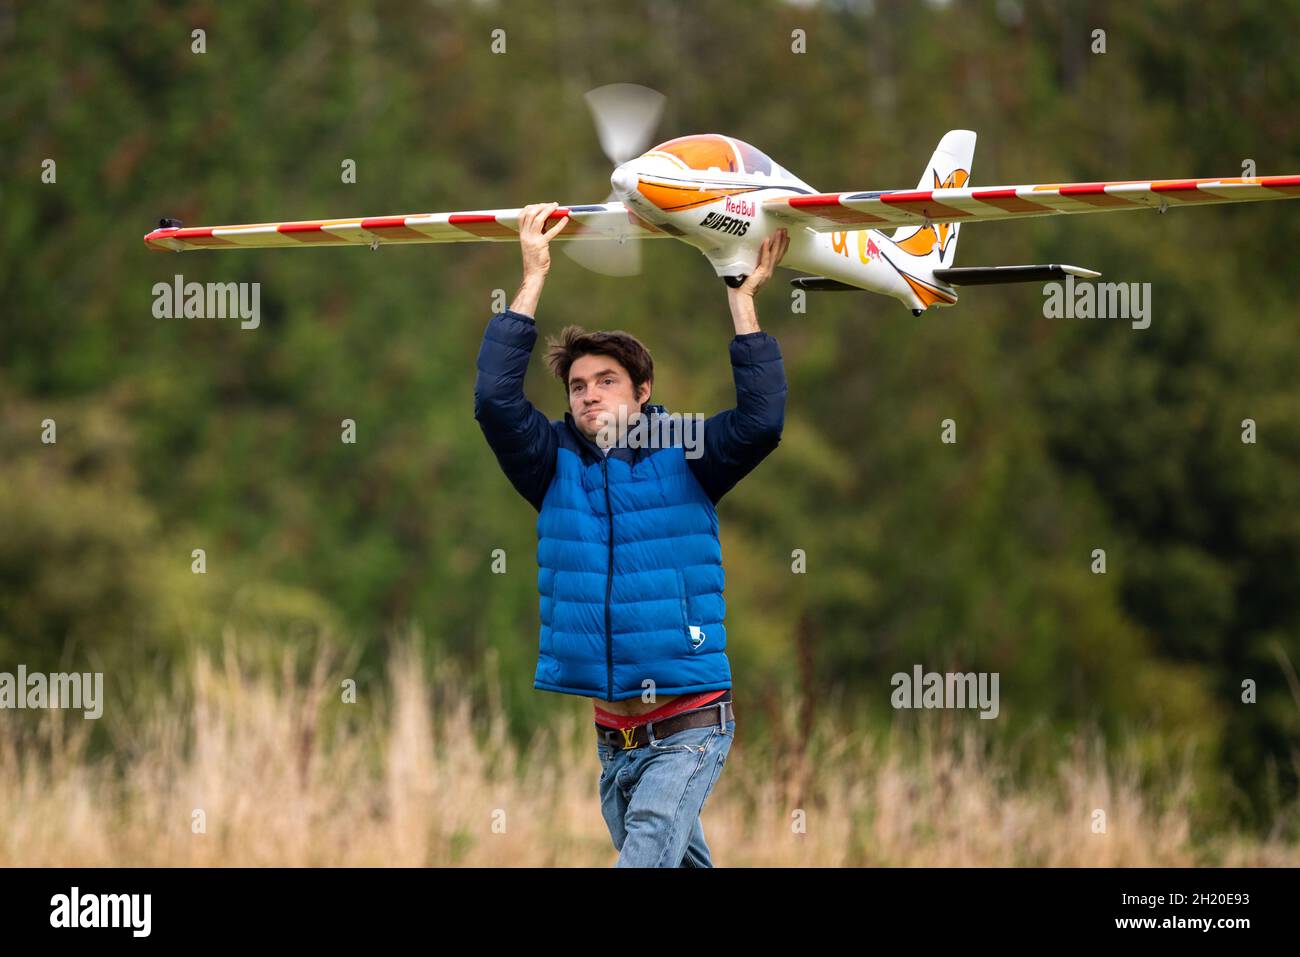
(651, 797)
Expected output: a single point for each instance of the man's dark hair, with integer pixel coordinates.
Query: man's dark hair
(574, 341)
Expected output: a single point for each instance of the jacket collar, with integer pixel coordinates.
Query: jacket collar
(590, 448)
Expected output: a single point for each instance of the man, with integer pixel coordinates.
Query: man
(629, 564)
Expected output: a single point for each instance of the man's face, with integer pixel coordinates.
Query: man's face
(598, 387)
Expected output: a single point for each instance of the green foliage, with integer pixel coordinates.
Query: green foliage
(1072, 435)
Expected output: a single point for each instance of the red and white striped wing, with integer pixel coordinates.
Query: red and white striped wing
(598, 221)
(828, 212)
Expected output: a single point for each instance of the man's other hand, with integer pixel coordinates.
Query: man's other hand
(534, 241)
(769, 254)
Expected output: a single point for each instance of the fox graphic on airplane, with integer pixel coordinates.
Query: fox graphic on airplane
(724, 197)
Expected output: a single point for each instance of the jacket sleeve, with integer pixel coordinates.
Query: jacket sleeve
(736, 440)
(519, 435)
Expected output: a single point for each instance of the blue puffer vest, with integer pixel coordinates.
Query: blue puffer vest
(629, 569)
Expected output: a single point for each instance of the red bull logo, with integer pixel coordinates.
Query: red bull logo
(740, 207)
(867, 249)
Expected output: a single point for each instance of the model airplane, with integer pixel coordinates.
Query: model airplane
(724, 197)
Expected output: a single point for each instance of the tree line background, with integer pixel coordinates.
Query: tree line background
(1073, 435)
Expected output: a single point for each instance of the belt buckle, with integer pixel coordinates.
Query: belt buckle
(629, 734)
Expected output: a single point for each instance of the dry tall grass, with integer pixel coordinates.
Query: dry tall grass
(284, 773)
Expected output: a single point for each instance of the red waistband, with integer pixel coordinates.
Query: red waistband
(683, 703)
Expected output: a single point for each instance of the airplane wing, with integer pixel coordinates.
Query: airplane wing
(828, 212)
(598, 221)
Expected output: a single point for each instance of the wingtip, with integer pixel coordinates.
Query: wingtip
(156, 239)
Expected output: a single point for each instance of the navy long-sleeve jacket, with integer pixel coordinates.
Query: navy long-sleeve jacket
(630, 574)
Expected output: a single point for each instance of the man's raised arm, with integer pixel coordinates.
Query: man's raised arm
(520, 435)
(736, 440)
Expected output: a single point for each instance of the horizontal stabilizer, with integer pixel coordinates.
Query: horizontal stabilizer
(996, 275)
(822, 284)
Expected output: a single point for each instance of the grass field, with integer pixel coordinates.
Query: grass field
(278, 771)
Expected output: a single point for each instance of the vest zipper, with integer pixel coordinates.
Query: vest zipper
(609, 584)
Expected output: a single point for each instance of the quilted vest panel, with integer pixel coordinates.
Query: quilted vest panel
(630, 576)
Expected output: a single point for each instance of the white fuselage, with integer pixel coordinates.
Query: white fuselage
(722, 215)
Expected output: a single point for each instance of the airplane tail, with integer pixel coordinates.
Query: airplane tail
(927, 248)
(948, 168)
(924, 256)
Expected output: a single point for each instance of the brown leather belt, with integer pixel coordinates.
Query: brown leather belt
(625, 739)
